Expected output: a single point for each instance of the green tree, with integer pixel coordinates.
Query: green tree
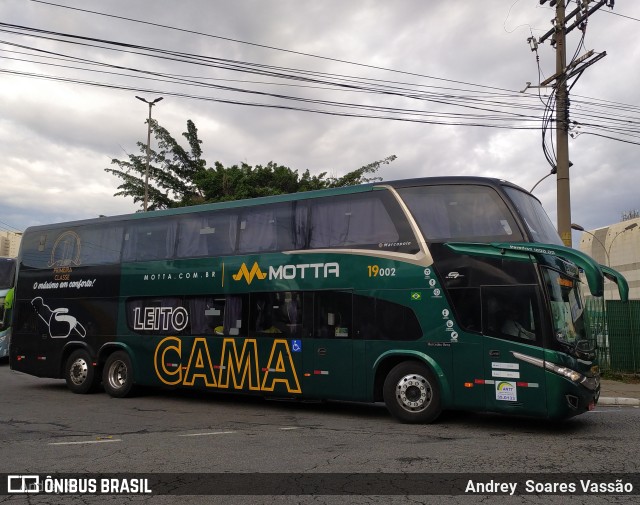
(179, 177)
(172, 170)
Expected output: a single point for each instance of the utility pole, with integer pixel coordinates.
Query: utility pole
(563, 73)
(562, 129)
(146, 173)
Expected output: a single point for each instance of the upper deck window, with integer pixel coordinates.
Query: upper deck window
(371, 220)
(365, 221)
(461, 212)
(207, 234)
(73, 247)
(148, 240)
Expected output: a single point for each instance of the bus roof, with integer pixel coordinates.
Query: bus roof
(289, 197)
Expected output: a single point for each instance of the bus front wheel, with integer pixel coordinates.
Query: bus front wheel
(79, 372)
(117, 375)
(411, 393)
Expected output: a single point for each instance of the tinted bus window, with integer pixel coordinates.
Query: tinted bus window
(378, 319)
(332, 314)
(153, 316)
(511, 312)
(265, 228)
(84, 245)
(100, 245)
(207, 234)
(368, 220)
(197, 315)
(150, 239)
(35, 249)
(273, 314)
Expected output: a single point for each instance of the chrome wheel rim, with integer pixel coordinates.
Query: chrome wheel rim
(117, 374)
(414, 393)
(79, 371)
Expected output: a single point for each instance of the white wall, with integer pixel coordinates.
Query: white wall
(617, 246)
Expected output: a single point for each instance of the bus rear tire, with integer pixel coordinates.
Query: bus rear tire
(117, 375)
(79, 372)
(411, 393)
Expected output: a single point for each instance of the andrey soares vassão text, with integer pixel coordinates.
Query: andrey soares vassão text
(587, 486)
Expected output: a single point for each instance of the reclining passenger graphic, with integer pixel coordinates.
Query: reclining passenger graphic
(59, 322)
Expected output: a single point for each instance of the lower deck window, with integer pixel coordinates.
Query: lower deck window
(290, 314)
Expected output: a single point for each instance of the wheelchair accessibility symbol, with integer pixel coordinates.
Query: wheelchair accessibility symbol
(296, 345)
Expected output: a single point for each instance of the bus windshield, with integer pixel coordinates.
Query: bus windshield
(566, 307)
(538, 223)
(7, 268)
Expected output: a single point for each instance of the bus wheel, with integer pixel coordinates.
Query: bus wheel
(79, 372)
(411, 393)
(117, 375)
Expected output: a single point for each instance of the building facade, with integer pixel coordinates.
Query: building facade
(616, 246)
(10, 243)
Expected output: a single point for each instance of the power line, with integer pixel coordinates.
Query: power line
(481, 101)
(351, 83)
(337, 60)
(276, 106)
(487, 107)
(10, 228)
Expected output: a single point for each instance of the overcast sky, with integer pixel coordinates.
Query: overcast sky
(424, 63)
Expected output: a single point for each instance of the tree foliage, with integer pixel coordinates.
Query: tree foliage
(179, 177)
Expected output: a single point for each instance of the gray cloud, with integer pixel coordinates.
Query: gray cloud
(57, 138)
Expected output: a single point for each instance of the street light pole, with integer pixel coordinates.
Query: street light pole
(554, 170)
(577, 227)
(626, 228)
(146, 172)
(607, 250)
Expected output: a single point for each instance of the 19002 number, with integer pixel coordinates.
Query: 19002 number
(377, 271)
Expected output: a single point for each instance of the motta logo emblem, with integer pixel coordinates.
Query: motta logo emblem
(249, 275)
(288, 272)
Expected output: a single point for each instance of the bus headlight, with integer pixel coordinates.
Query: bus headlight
(564, 371)
(568, 373)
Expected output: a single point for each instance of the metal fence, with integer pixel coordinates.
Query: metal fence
(616, 332)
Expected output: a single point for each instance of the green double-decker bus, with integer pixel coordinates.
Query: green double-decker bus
(427, 294)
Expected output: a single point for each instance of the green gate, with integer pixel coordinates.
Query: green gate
(616, 332)
(623, 322)
(596, 326)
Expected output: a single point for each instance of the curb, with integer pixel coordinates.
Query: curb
(634, 402)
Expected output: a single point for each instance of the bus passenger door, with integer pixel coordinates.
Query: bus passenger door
(463, 330)
(331, 346)
(513, 329)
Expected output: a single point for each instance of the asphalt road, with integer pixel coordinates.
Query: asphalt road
(45, 429)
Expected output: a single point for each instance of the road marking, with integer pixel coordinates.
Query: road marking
(290, 428)
(87, 442)
(207, 434)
